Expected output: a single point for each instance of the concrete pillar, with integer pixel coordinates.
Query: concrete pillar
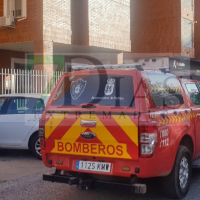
(116, 58)
(80, 22)
(43, 56)
(48, 57)
(43, 60)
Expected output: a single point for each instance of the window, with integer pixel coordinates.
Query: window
(39, 107)
(2, 101)
(16, 8)
(21, 105)
(165, 89)
(193, 93)
(105, 90)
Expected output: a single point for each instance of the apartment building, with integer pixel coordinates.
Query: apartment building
(59, 27)
(111, 31)
(168, 27)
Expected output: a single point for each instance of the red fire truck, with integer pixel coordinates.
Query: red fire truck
(115, 124)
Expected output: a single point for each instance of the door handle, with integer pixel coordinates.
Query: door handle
(198, 115)
(187, 111)
(31, 120)
(85, 123)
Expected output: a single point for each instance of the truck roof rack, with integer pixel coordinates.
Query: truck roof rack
(182, 74)
(137, 67)
(161, 70)
(169, 71)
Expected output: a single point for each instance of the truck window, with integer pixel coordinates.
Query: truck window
(194, 93)
(165, 89)
(105, 90)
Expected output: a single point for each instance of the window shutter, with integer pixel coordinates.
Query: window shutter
(18, 8)
(24, 8)
(6, 7)
(15, 8)
(12, 7)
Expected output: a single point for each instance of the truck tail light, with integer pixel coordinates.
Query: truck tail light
(148, 139)
(42, 132)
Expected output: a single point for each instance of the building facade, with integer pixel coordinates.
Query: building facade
(169, 27)
(60, 27)
(113, 30)
(197, 30)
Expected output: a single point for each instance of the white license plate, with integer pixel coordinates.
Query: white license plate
(93, 166)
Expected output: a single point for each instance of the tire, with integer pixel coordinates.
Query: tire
(176, 185)
(35, 146)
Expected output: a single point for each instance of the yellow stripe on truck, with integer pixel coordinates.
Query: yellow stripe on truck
(128, 127)
(68, 144)
(52, 123)
(74, 132)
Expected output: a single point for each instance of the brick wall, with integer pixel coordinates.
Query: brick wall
(197, 30)
(156, 26)
(29, 29)
(109, 24)
(5, 58)
(1, 7)
(57, 21)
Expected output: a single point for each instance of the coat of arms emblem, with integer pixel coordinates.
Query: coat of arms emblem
(109, 86)
(77, 88)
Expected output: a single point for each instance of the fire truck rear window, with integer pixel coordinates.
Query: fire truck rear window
(165, 89)
(105, 90)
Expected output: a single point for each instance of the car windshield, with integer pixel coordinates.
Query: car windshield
(105, 90)
(2, 101)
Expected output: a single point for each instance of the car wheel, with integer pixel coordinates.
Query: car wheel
(177, 184)
(35, 146)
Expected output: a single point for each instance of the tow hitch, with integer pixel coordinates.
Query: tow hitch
(88, 183)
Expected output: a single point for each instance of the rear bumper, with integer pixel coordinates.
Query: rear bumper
(142, 168)
(86, 183)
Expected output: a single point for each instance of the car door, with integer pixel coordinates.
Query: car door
(3, 106)
(194, 94)
(18, 120)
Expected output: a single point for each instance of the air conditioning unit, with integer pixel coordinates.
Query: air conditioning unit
(7, 22)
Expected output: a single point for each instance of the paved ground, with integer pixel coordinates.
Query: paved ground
(16, 164)
(21, 179)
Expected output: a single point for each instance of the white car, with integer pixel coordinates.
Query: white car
(19, 121)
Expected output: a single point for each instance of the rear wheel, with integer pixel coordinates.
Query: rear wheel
(35, 146)
(177, 184)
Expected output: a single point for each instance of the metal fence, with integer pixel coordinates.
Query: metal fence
(25, 81)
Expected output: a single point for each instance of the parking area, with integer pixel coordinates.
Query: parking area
(21, 178)
(16, 164)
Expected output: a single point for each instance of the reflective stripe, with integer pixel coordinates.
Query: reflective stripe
(52, 123)
(128, 126)
(111, 145)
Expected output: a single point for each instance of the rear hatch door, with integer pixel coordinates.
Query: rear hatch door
(94, 115)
